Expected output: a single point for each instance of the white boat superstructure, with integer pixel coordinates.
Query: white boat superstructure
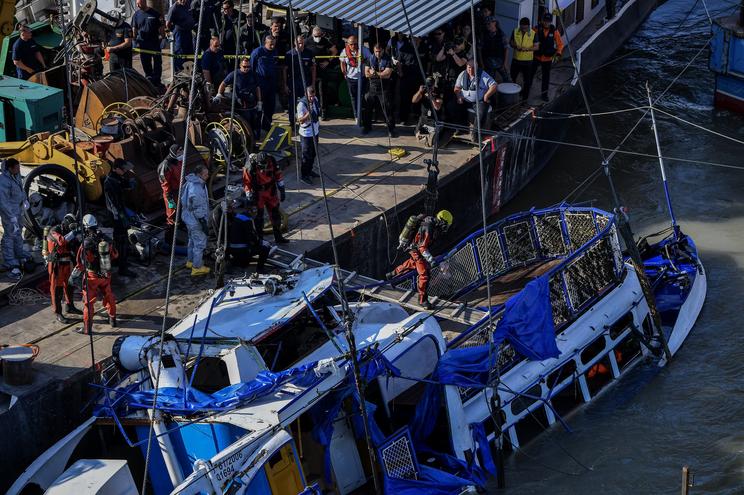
(272, 409)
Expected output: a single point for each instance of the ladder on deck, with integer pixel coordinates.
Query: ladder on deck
(458, 312)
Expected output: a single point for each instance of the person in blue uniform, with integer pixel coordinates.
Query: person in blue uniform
(247, 94)
(300, 73)
(263, 64)
(26, 55)
(180, 23)
(229, 28)
(209, 22)
(379, 73)
(120, 48)
(148, 31)
(212, 63)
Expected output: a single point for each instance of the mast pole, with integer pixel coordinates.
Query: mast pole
(661, 165)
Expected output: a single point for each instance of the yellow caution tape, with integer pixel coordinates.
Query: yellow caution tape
(191, 56)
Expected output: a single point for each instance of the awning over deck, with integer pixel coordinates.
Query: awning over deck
(424, 15)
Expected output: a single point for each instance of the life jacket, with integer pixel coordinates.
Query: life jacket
(547, 41)
(351, 58)
(314, 112)
(523, 40)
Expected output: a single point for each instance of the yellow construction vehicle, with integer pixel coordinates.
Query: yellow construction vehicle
(48, 165)
(56, 149)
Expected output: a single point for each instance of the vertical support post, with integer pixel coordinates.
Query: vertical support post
(360, 81)
(172, 46)
(166, 449)
(673, 219)
(686, 480)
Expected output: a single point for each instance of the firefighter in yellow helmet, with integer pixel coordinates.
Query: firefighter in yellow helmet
(416, 238)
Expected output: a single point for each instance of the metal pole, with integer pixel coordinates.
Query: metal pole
(661, 165)
(686, 480)
(172, 45)
(360, 81)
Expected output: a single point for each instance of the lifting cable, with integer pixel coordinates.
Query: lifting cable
(623, 225)
(348, 316)
(221, 252)
(78, 186)
(171, 262)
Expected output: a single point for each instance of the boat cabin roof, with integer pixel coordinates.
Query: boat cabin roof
(250, 312)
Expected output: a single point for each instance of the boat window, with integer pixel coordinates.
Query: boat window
(593, 350)
(627, 351)
(594, 4)
(569, 13)
(567, 399)
(579, 11)
(599, 375)
(620, 325)
(531, 425)
(522, 402)
(211, 374)
(293, 341)
(561, 374)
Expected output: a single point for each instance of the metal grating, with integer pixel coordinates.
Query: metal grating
(550, 235)
(561, 312)
(618, 253)
(602, 221)
(489, 252)
(457, 272)
(591, 272)
(580, 228)
(520, 243)
(398, 459)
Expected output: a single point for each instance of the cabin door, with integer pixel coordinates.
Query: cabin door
(283, 472)
(347, 465)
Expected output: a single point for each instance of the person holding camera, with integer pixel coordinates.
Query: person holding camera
(452, 58)
(432, 105)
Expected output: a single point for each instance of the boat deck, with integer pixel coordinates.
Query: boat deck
(507, 286)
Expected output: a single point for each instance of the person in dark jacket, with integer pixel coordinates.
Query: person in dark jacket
(180, 23)
(243, 240)
(263, 64)
(147, 24)
(114, 188)
(26, 55)
(379, 73)
(120, 47)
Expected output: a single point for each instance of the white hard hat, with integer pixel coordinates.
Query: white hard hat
(89, 221)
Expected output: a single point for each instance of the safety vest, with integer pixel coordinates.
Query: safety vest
(547, 42)
(523, 40)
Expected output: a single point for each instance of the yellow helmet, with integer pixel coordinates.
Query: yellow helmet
(446, 217)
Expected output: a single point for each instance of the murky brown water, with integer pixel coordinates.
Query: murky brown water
(636, 438)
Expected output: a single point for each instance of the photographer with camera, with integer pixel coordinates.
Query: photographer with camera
(432, 101)
(452, 58)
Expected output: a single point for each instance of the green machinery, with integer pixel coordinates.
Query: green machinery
(28, 108)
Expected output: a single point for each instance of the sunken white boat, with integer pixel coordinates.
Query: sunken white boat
(256, 392)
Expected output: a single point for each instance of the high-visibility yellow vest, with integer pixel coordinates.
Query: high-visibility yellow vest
(524, 40)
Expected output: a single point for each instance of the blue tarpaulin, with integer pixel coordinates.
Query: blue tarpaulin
(527, 322)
